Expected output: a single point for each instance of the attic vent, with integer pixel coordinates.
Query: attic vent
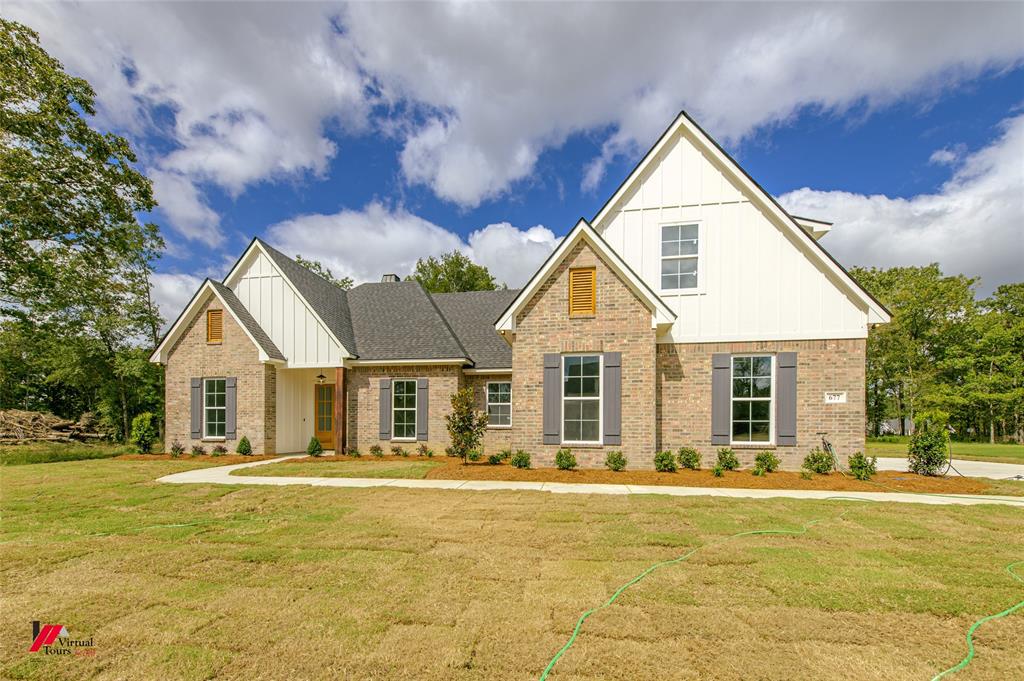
(389, 278)
(214, 326)
(583, 292)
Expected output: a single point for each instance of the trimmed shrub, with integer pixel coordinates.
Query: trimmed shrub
(354, 452)
(314, 448)
(565, 460)
(474, 455)
(494, 459)
(244, 446)
(805, 474)
(430, 453)
(665, 462)
(505, 454)
(767, 461)
(717, 470)
(177, 449)
(376, 450)
(422, 449)
(143, 432)
(861, 467)
(198, 450)
(219, 450)
(520, 459)
(727, 459)
(818, 461)
(689, 458)
(926, 452)
(759, 471)
(398, 451)
(615, 460)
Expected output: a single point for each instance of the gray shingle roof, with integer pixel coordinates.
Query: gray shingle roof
(471, 316)
(250, 323)
(327, 300)
(400, 321)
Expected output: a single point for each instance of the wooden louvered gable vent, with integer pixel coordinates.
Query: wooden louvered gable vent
(214, 326)
(583, 292)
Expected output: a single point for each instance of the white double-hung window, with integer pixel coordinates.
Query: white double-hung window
(404, 410)
(581, 399)
(214, 407)
(752, 396)
(499, 404)
(679, 257)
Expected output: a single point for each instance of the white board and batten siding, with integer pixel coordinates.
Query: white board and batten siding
(295, 408)
(293, 327)
(756, 281)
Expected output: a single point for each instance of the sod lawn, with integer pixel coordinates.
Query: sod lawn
(975, 451)
(257, 582)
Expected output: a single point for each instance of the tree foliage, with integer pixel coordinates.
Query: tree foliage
(451, 273)
(316, 267)
(466, 425)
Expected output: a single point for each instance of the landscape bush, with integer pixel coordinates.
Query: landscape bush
(198, 450)
(689, 458)
(926, 452)
(759, 471)
(314, 448)
(219, 450)
(767, 461)
(143, 432)
(244, 446)
(665, 462)
(805, 474)
(727, 459)
(565, 460)
(717, 470)
(423, 449)
(177, 449)
(354, 452)
(819, 461)
(376, 450)
(474, 455)
(505, 454)
(398, 451)
(615, 460)
(861, 467)
(466, 426)
(494, 459)
(520, 459)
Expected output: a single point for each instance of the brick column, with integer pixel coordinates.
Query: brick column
(340, 409)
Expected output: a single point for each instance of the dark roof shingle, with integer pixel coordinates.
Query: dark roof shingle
(471, 316)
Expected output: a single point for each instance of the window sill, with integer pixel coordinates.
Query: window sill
(508, 427)
(752, 445)
(583, 445)
(214, 439)
(403, 439)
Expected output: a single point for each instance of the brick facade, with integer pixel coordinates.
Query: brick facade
(363, 385)
(192, 357)
(622, 323)
(495, 439)
(684, 396)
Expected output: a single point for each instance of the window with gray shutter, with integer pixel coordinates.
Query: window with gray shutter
(785, 399)
(613, 398)
(552, 403)
(422, 407)
(721, 392)
(384, 411)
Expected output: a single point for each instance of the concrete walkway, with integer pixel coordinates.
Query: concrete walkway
(972, 469)
(221, 475)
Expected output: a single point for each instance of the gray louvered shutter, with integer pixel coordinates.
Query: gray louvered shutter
(196, 408)
(422, 407)
(721, 393)
(785, 399)
(385, 409)
(231, 404)
(612, 398)
(552, 399)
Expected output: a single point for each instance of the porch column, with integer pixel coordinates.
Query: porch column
(340, 410)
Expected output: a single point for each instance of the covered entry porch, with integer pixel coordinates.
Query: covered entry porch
(311, 402)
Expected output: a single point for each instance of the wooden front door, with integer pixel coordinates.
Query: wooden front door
(323, 414)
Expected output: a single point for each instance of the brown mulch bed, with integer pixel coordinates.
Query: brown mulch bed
(454, 469)
(224, 460)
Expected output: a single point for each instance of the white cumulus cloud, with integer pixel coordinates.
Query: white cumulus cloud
(171, 292)
(973, 225)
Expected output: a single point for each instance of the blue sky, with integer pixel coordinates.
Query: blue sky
(368, 135)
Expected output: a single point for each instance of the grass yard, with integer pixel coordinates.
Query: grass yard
(50, 452)
(349, 468)
(975, 451)
(196, 582)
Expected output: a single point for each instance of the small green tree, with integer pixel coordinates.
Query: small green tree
(143, 432)
(317, 268)
(314, 448)
(465, 425)
(451, 273)
(244, 446)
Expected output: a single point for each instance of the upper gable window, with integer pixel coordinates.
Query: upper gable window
(679, 256)
(583, 292)
(215, 326)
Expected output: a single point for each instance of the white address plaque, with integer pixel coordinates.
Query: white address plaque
(835, 398)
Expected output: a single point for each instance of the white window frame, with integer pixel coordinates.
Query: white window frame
(771, 402)
(206, 423)
(415, 408)
(699, 288)
(600, 400)
(487, 403)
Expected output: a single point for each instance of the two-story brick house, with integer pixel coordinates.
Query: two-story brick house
(692, 310)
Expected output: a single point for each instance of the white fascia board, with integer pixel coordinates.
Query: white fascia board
(876, 312)
(236, 271)
(817, 228)
(661, 314)
(159, 354)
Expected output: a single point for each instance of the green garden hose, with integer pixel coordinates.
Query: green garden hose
(970, 632)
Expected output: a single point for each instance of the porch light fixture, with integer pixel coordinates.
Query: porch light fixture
(320, 378)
